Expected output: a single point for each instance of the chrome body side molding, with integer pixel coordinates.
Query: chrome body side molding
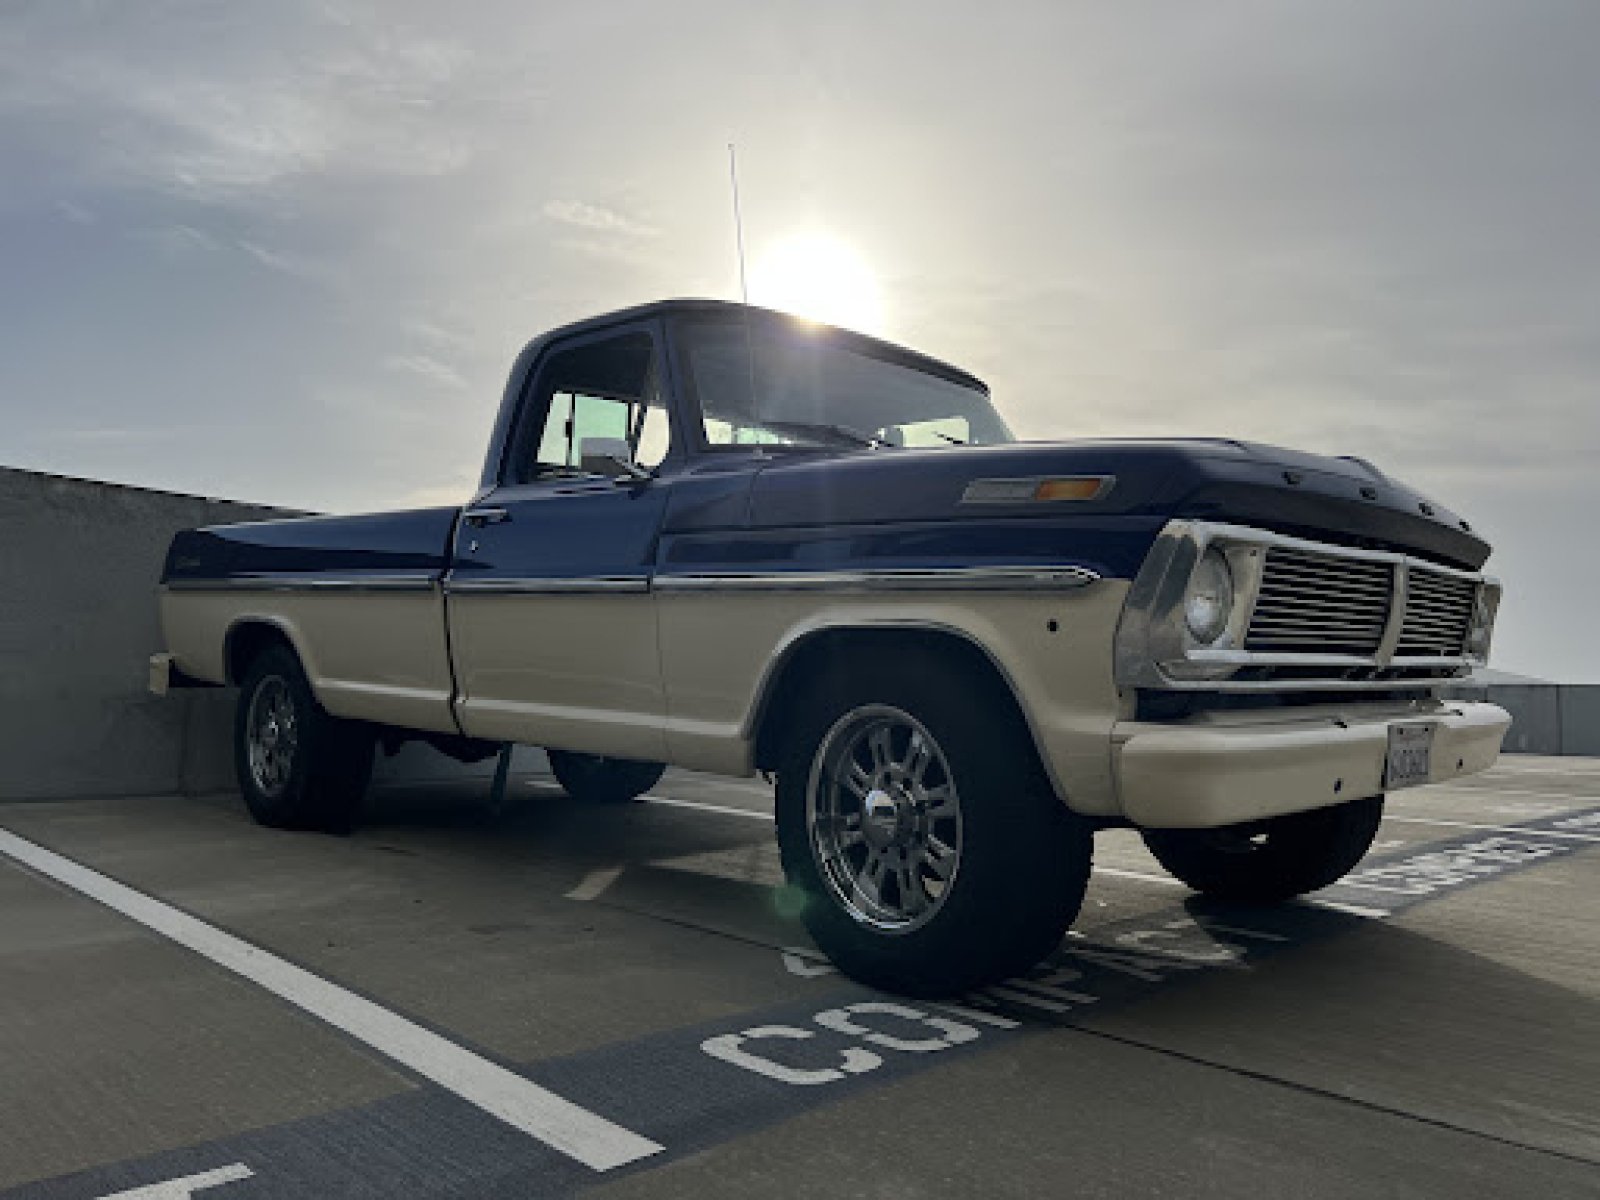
(887, 579)
(419, 582)
(578, 585)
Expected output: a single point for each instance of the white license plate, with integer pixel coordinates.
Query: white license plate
(1410, 755)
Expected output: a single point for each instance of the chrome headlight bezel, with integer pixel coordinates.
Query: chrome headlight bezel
(1155, 643)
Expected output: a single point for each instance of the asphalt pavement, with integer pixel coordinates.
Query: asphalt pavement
(552, 997)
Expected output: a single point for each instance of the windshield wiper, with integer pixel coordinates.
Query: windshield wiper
(559, 471)
(840, 433)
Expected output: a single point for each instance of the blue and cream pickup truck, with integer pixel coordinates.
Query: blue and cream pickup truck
(725, 539)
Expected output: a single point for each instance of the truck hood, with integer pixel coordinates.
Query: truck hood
(1343, 500)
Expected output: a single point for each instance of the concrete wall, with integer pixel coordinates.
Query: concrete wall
(79, 564)
(1546, 718)
(1580, 718)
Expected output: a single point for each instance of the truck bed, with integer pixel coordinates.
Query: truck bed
(358, 598)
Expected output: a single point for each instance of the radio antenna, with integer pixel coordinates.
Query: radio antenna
(744, 286)
(738, 222)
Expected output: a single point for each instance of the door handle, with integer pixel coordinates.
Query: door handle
(479, 517)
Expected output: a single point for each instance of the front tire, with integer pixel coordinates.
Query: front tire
(600, 780)
(1265, 862)
(913, 815)
(299, 767)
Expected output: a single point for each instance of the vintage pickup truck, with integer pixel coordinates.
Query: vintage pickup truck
(722, 538)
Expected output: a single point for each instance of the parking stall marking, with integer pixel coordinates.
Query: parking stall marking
(725, 809)
(691, 1088)
(183, 1189)
(1518, 829)
(594, 884)
(1442, 868)
(1456, 789)
(519, 1102)
(1358, 910)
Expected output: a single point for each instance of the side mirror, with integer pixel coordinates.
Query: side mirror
(609, 456)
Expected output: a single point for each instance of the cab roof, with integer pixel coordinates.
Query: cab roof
(697, 306)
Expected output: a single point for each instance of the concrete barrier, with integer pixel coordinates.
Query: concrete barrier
(79, 564)
(1546, 718)
(1580, 718)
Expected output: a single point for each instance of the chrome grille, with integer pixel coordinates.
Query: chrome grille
(1320, 604)
(1316, 616)
(1438, 612)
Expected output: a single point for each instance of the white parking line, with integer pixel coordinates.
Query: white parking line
(977, 1016)
(1115, 872)
(1354, 910)
(1575, 797)
(185, 1188)
(1001, 992)
(594, 884)
(726, 810)
(1555, 833)
(520, 1103)
(1142, 876)
(1145, 876)
(1504, 767)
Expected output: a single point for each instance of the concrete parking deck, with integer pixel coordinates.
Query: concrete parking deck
(559, 997)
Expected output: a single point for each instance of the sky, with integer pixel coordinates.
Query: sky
(286, 252)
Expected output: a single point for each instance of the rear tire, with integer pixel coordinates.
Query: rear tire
(600, 780)
(913, 816)
(1264, 862)
(299, 767)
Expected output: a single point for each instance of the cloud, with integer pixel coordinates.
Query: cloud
(179, 239)
(593, 217)
(297, 265)
(109, 434)
(233, 103)
(428, 368)
(76, 213)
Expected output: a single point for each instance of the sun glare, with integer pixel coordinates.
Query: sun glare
(816, 275)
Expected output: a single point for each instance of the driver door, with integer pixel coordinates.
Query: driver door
(552, 623)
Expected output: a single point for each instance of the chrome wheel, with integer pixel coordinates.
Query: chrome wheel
(884, 818)
(273, 733)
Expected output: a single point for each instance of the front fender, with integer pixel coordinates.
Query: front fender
(724, 656)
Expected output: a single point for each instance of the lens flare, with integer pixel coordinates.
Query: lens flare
(815, 275)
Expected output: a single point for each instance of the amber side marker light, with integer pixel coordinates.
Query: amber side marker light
(1026, 491)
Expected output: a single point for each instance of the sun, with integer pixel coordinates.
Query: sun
(818, 276)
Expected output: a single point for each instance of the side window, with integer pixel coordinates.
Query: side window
(611, 389)
(939, 431)
(574, 416)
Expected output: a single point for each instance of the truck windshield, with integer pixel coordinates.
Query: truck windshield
(786, 384)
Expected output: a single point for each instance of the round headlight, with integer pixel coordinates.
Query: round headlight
(1482, 627)
(1208, 602)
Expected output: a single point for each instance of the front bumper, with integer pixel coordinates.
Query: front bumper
(1201, 775)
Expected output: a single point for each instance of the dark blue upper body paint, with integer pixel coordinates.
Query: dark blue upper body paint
(742, 509)
(396, 543)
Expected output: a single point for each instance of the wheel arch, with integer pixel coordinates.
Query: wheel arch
(813, 652)
(248, 636)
